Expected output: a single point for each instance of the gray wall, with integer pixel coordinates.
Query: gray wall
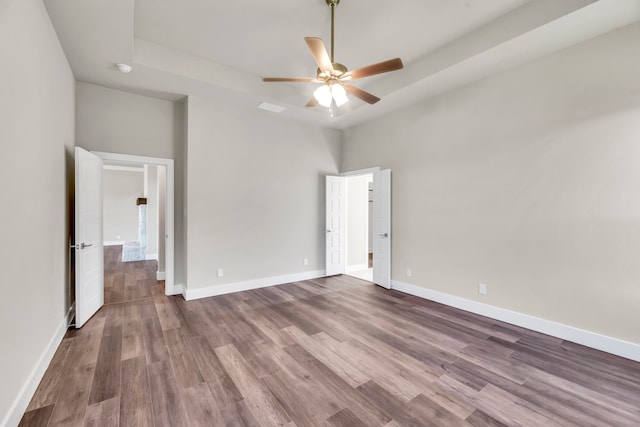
(125, 123)
(161, 219)
(36, 182)
(529, 182)
(256, 194)
(120, 122)
(152, 189)
(120, 191)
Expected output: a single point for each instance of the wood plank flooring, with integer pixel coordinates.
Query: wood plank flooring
(336, 351)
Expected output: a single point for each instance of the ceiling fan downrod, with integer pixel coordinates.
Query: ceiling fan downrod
(332, 4)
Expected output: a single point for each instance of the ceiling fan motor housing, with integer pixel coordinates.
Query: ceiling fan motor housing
(338, 70)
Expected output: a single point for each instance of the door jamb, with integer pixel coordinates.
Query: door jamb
(366, 171)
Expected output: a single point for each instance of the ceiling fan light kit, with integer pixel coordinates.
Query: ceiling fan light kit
(333, 76)
(326, 95)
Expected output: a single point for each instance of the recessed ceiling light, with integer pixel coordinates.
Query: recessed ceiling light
(271, 107)
(124, 68)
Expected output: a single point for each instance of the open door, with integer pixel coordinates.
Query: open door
(382, 228)
(335, 225)
(89, 259)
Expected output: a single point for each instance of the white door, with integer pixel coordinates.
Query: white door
(335, 225)
(382, 228)
(88, 234)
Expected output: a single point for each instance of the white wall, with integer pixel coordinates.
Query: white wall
(36, 182)
(357, 221)
(120, 212)
(256, 194)
(529, 182)
(120, 122)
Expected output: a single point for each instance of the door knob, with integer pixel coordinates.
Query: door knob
(384, 235)
(84, 245)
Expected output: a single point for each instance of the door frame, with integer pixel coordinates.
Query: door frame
(169, 282)
(367, 171)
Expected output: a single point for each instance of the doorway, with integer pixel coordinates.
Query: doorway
(359, 241)
(346, 255)
(130, 207)
(164, 177)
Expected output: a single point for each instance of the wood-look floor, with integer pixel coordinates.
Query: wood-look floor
(329, 352)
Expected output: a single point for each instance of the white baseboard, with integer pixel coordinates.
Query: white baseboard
(357, 267)
(27, 391)
(228, 288)
(611, 345)
(151, 257)
(160, 275)
(176, 290)
(113, 243)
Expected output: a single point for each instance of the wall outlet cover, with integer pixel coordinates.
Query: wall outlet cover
(482, 289)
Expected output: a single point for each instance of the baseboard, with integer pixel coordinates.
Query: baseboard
(357, 267)
(604, 343)
(151, 257)
(160, 275)
(113, 243)
(16, 411)
(228, 288)
(176, 290)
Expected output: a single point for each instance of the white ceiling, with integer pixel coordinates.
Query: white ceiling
(221, 49)
(266, 38)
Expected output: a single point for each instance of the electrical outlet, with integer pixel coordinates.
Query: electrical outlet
(482, 289)
(220, 272)
(409, 272)
(305, 261)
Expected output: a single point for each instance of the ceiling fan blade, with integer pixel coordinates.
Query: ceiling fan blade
(319, 52)
(372, 70)
(290, 79)
(312, 102)
(357, 92)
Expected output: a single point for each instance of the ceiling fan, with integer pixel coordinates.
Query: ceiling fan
(334, 76)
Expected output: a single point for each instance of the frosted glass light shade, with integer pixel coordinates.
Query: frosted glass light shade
(331, 93)
(339, 94)
(323, 95)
